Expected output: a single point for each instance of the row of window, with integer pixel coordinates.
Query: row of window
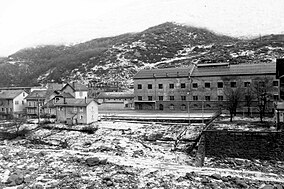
(183, 106)
(233, 84)
(161, 86)
(183, 98)
(6, 109)
(194, 98)
(75, 109)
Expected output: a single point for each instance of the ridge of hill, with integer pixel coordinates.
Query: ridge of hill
(112, 61)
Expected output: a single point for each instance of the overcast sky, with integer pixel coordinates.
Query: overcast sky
(26, 23)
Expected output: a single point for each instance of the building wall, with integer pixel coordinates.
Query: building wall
(155, 92)
(19, 103)
(179, 104)
(32, 106)
(245, 144)
(92, 112)
(78, 114)
(81, 94)
(214, 91)
(6, 107)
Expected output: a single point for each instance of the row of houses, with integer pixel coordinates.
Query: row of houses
(203, 87)
(65, 102)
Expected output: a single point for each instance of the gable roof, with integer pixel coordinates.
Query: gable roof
(115, 95)
(10, 94)
(238, 69)
(38, 94)
(74, 102)
(76, 86)
(164, 73)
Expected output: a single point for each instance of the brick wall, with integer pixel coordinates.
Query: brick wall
(258, 145)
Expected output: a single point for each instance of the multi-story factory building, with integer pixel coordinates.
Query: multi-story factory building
(204, 86)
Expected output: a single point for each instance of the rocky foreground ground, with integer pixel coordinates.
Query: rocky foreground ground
(123, 155)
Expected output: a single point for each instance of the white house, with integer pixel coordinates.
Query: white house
(12, 102)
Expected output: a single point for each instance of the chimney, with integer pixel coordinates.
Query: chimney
(73, 84)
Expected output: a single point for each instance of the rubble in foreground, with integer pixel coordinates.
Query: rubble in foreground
(121, 155)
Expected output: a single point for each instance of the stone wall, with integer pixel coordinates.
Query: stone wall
(257, 145)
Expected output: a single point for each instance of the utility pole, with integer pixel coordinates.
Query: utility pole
(38, 112)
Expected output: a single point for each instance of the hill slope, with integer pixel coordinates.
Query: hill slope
(114, 60)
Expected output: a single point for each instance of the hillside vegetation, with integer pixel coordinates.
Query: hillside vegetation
(114, 60)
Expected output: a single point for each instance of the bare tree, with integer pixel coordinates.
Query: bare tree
(249, 97)
(233, 99)
(261, 88)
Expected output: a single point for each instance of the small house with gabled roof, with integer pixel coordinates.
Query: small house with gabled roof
(12, 102)
(76, 111)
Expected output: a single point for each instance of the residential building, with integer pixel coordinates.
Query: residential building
(49, 108)
(115, 100)
(202, 87)
(12, 103)
(34, 101)
(76, 111)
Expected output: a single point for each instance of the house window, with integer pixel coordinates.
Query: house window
(183, 97)
(172, 86)
(276, 97)
(172, 97)
(247, 84)
(160, 86)
(81, 109)
(24, 94)
(183, 107)
(23, 102)
(75, 109)
(161, 98)
(275, 83)
(195, 98)
(16, 102)
(207, 85)
(194, 85)
(149, 86)
(81, 117)
(139, 97)
(150, 98)
(220, 98)
(207, 98)
(220, 85)
(3, 109)
(233, 84)
(139, 86)
(182, 85)
(171, 107)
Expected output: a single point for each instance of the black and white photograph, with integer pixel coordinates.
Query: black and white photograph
(141, 94)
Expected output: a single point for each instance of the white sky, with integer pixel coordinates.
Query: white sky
(26, 23)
